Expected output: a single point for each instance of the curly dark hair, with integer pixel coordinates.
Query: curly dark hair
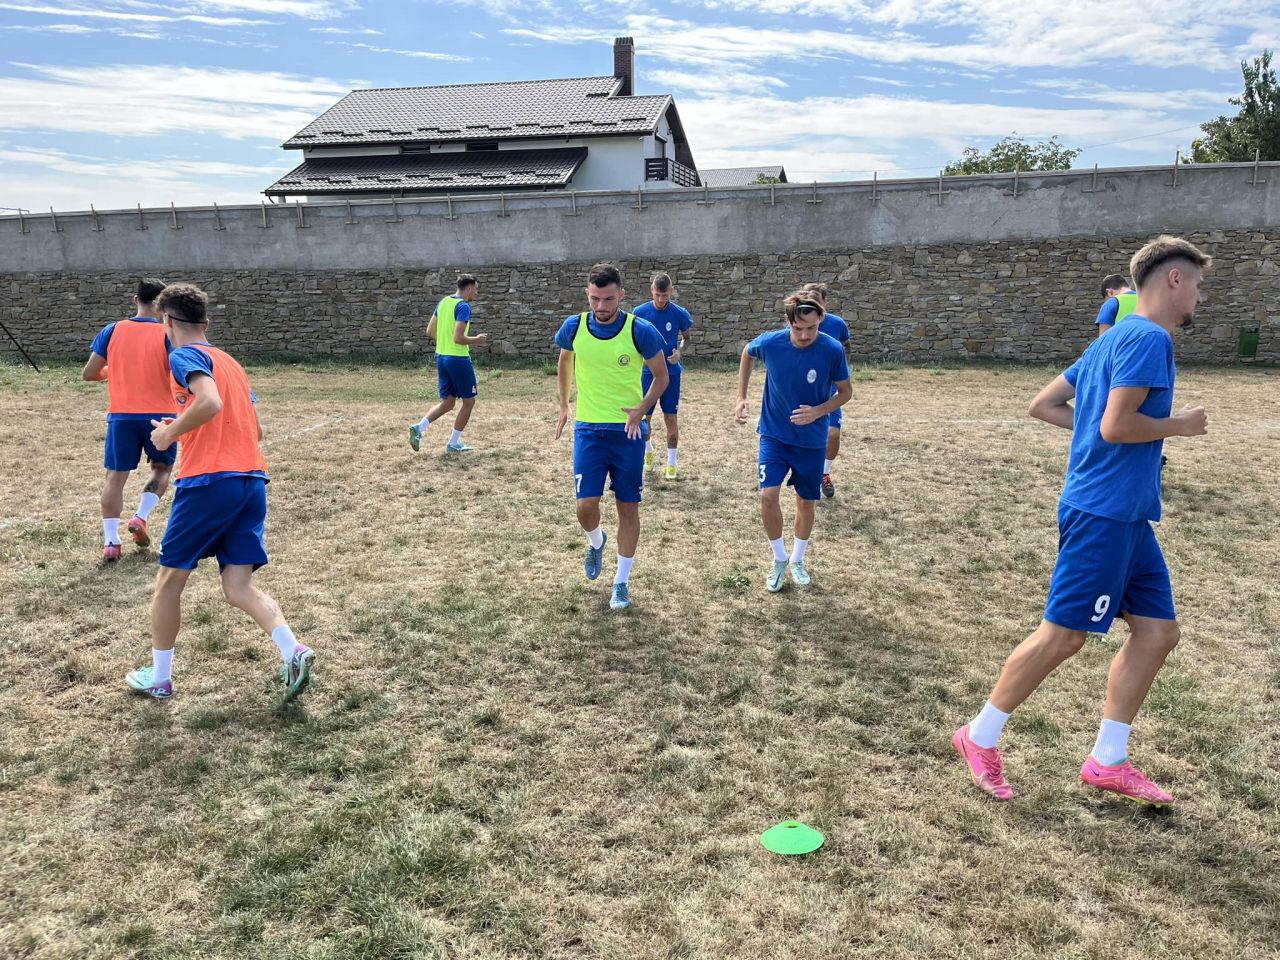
(185, 302)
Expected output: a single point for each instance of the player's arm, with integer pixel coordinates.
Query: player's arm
(1107, 315)
(461, 339)
(258, 420)
(431, 326)
(206, 405)
(805, 414)
(678, 353)
(745, 366)
(1122, 423)
(1053, 404)
(657, 365)
(564, 377)
(95, 369)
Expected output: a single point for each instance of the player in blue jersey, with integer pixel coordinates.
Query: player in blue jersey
(1116, 303)
(673, 322)
(603, 349)
(1108, 559)
(832, 325)
(450, 324)
(806, 378)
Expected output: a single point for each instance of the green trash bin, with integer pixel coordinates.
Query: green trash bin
(1248, 348)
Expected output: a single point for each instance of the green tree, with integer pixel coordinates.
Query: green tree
(1255, 129)
(1013, 153)
(766, 178)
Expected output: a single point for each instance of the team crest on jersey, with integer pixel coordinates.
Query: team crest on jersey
(812, 376)
(182, 399)
(623, 360)
(668, 325)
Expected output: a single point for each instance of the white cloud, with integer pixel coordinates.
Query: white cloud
(348, 31)
(712, 83)
(421, 54)
(65, 28)
(139, 100)
(96, 13)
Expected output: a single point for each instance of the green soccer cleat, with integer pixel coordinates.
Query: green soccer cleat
(296, 674)
(621, 598)
(777, 576)
(799, 575)
(458, 447)
(415, 437)
(648, 460)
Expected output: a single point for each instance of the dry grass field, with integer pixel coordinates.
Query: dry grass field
(490, 764)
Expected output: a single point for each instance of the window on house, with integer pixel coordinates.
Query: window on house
(473, 145)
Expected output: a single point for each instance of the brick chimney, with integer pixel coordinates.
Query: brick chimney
(624, 65)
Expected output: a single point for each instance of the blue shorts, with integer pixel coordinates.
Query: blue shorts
(456, 377)
(670, 399)
(598, 454)
(1106, 567)
(835, 419)
(223, 519)
(127, 440)
(777, 459)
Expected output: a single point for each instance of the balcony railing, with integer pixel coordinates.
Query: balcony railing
(663, 168)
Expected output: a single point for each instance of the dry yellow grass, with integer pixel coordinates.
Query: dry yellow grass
(490, 764)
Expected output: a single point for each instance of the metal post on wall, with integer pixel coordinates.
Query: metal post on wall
(53, 216)
(448, 199)
(174, 211)
(706, 195)
(351, 220)
(639, 204)
(1093, 187)
(1257, 156)
(1014, 193)
(573, 204)
(302, 217)
(217, 218)
(141, 225)
(1177, 160)
(97, 227)
(940, 191)
(502, 197)
(265, 222)
(22, 223)
(875, 186)
(814, 199)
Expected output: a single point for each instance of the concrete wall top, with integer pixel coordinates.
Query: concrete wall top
(588, 226)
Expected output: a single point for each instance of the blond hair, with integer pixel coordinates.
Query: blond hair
(1161, 251)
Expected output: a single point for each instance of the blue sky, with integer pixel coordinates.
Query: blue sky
(118, 102)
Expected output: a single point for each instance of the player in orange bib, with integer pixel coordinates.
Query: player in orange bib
(133, 357)
(220, 508)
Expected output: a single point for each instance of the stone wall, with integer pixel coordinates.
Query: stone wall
(1023, 300)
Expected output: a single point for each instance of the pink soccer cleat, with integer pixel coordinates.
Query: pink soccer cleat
(111, 553)
(1125, 779)
(985, 765)
(138, 530)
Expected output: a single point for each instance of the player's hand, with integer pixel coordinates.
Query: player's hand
(564, 418)
(482, 339)
(634, 416)
(160, 438)
(1192, 422)
(674, 357)
(740, 411)
(804, 415)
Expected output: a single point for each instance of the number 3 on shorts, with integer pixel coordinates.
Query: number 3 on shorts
(1101, 607)
(762, 474)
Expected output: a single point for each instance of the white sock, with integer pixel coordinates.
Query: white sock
(1112, 746)
(423, 424)
(161, 665)
(798, 550)
(671, 456)
(624, 569)
(985, 728)
(286, 641)
(826, 466)
(596, 537)
(455, 438)
(146, 505)
(648, 446)
(779, 550)
(111, 530)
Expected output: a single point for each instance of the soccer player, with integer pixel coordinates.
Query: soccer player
(220, 506)
(603, 350)
(1108, 559)
(832, 325)
(1119, 301)
(673, 322)
(450, 324)
(806, 378)
(133, 357)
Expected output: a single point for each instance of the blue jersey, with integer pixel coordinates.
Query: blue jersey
(1120, 481)
(647, 341)
(1107, 312)
(671, 322)
(833, 325)
(796, 377)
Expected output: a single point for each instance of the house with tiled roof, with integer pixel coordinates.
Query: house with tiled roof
(742, 176)
(583, 133)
